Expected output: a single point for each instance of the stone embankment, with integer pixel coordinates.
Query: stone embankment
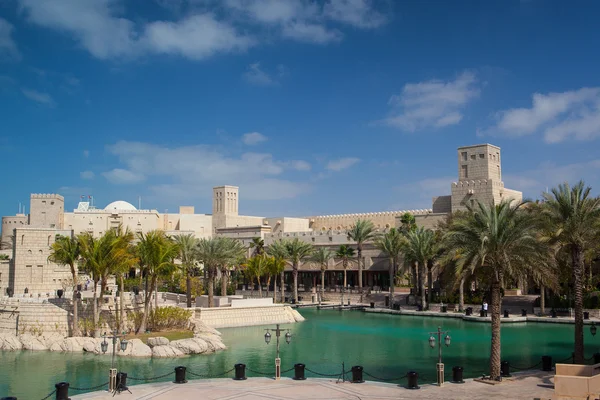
(205, 340)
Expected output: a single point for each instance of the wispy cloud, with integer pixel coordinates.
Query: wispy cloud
(39, 97)
(207, 27)
(86, 153)
(253, 138)
(121, 176)
(256, 75)
(341, 164)
(8, 46)
(87, 175)
(557, 116)
(432, 104)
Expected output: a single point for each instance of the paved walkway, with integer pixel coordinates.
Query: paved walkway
(526, 386)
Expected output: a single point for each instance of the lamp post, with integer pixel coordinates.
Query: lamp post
(288, 339)
(432, 340)
(112, 374)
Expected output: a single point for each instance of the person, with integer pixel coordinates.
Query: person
(485, 308)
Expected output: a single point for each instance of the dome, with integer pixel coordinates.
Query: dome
(120, 205)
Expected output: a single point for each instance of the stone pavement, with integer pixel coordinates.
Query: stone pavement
(525, 386)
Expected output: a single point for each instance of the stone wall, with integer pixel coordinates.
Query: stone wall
(46, 211)
(381, 220)
(33, 318)
(247, 316)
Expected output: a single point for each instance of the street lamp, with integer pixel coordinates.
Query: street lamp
(288, 339)
(112, 375)
(432, 340)
(593, 329)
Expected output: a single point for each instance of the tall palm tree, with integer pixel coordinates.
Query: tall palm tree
(419, 248)
(65, 251)
(275, 268)
(361, 232)
(258, 244)
(215, 253)
(346, 254)
(321, 257)
(188, 254)
(391, 243)
(123, 258)
(278, 251)
(157, 253)
(502, 242)
(257, 268)
(408, 224)
(234, 252)
(573, 215)
(297, 251)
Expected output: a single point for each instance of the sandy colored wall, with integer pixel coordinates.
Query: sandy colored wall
(247, 316)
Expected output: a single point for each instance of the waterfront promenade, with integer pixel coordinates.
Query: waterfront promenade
(527, 385)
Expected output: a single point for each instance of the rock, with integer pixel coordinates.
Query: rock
(200, 328)
(297, 316)
(51, 338)
(191, 346)
(10, 342)
(31, 342)
(213, 342)
(92, 345)
(135, 348)
(165, 351)
(158, 341)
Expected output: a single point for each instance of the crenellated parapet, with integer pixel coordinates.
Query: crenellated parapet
(340, 222)
(46, 196)
(477, 183)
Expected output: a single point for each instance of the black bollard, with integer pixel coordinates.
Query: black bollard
(596, 358)
(469, 311)
(62, 391)
(553, 313)
(357, 374)
(121, 381)
(505, 313)
(523, 312)
(457, 375)
(481, 313)
(444, 308)
(505, 369)
(299, 372)
(586, 315)
(240, 372)
(413, 380)
(180, 375)
(546, 363)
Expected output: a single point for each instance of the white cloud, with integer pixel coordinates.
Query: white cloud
(121, 176)
(39, 97)
(557, 116)
(191, 171)
(432, 104)
(8, 47)
(252, 138)
(86, 153)
(341, 164)
(207, 28)
(358, 13)
(300, 165)
(257, 76)
(87, 175)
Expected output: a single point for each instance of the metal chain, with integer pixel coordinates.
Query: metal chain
(90, 388)
(50, 394)
(259, 373)
(384, 379)
(150, 379)
(208, 375)
(287, 370)
(525, 369)
(327, 375)
(566, 359)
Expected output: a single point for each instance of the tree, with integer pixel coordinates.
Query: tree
(275, 268)
(235, 253)
(278, 251)
(573, 216)
(419, 248)
(296, 252)
(65, 251)
(215, 253)
(321, 257)
(361, 232)
(408, 224)
(346, 254)
(123, 258)
(258, 267)
(188, 254)
(501, 242)
(157, 254)
(258, 244)
(391, 244)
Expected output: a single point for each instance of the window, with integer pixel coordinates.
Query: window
(464, 155)
(473, 156)
(52, 225)
(464, 172)
(481, 155)
(43, 201)
(51, 203)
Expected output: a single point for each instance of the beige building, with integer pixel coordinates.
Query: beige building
(29, 237)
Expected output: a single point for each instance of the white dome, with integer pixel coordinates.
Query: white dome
(120, 205)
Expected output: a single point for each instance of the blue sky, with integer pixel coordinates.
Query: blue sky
(311, 107)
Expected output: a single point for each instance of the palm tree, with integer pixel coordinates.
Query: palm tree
(278, 251)
(502, 242)
(297, 251)
(123, 258)
(235, 251)
(419, 248)
(391, 244)
(345, 253)
(216, 253)
(275, 268)
(188, 254)
(361, 232)
(65, 251)
(573, 216)
(408, 224)
(257, 268)
(157, 253)
(258, 244)
(321, 257)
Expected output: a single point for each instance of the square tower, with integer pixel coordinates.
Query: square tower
(46, 211)
(479, 162)
(225, 200)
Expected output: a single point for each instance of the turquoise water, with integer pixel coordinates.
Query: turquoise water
(387, 346)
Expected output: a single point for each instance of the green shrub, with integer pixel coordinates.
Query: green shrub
(163, 318)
